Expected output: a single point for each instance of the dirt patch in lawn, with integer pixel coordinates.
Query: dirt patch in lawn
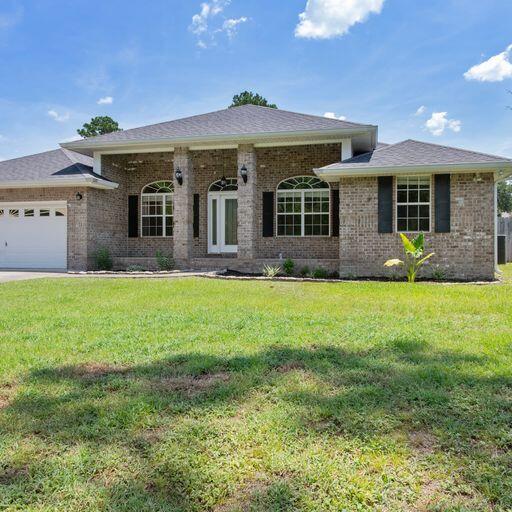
(191, 385)
(92, 371)
(7, 392)
(262, 493)
(9, 476)
(423, 442)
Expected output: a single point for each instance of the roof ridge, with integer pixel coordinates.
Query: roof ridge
(249, 105)
(77, 165)
(501, 158)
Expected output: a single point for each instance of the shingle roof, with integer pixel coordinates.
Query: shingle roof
(243, 120)
(412, 153)
(50, 165)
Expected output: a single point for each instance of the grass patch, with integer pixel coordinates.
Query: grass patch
(193, 395)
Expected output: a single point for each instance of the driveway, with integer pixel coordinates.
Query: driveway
(22, 275)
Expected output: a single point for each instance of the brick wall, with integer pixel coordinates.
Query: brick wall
(275, 165)
(467, 252)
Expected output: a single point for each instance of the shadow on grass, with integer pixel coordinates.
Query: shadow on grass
(440, 398)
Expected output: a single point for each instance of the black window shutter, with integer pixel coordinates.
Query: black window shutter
(195, 221)
(133, 216)
(335, 213)
(442, 199)
(385, 204)
(268, 214)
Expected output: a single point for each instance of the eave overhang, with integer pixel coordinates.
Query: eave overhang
(502, 170)
(87, 182)
(88, 147)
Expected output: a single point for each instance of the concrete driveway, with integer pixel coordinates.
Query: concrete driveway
(22, 275)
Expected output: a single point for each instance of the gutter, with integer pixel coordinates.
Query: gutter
(250, 137)
(331, 173)
(89, 182)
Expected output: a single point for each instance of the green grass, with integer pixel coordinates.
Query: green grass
(194, 395)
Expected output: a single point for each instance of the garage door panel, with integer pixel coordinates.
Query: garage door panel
(33, 237)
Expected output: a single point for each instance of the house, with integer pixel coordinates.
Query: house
(248, 186)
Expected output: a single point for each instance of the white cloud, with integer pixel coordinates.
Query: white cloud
(107, 100)
(230, 26)
(332, 115)
(61, 118)
(324, 19)
(495, 69)
(201, 22)
(209, 10)
(439, 122)
(421, 110)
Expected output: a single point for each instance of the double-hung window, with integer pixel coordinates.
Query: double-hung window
(157, 209)
(413, 197)
(303, 207)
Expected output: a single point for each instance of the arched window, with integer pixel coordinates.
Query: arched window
(157, 209)
(224, 185)
(303, 207)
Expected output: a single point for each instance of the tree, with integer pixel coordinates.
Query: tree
(504, 197)
(250, 98)
(99, 125)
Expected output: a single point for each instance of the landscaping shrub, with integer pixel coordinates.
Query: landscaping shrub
(288, 266)
(320, 273)
(304, 271)
(269, 271)
(164, 261)
(103, 260)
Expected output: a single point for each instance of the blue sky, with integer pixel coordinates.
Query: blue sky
(375, 61)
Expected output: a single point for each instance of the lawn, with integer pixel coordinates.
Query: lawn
(197, 395)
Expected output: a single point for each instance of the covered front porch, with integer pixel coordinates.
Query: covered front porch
(220, 207)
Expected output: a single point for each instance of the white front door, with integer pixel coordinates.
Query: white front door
(33, 235)
(222, 222)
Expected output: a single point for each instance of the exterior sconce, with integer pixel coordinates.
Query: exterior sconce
(223, 182)
(79, 196)
(244, 173)
(179, 176)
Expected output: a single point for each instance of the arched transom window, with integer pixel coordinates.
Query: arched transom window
(224, 185)
(303, 206)
(157, 209)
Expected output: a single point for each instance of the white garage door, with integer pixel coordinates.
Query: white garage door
(33, 235)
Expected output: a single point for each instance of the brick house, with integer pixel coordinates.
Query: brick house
(248, 186)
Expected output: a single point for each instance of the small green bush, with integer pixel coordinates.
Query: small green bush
(269, 271)
(164, 261)
(320, 273)
(103, 260)
(304, 271)
(438, 273)
(288, 266)
(334, 275)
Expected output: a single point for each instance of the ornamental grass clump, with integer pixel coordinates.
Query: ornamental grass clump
(414, 258)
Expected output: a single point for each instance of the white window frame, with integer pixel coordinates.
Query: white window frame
(163, 196)
(429, 176)
(301, 192)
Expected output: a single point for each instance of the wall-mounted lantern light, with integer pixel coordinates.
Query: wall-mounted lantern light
(179, 176)
(79, 196)
(244, 173)
(223, 182)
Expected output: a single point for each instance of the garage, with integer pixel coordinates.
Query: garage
(33, 235)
